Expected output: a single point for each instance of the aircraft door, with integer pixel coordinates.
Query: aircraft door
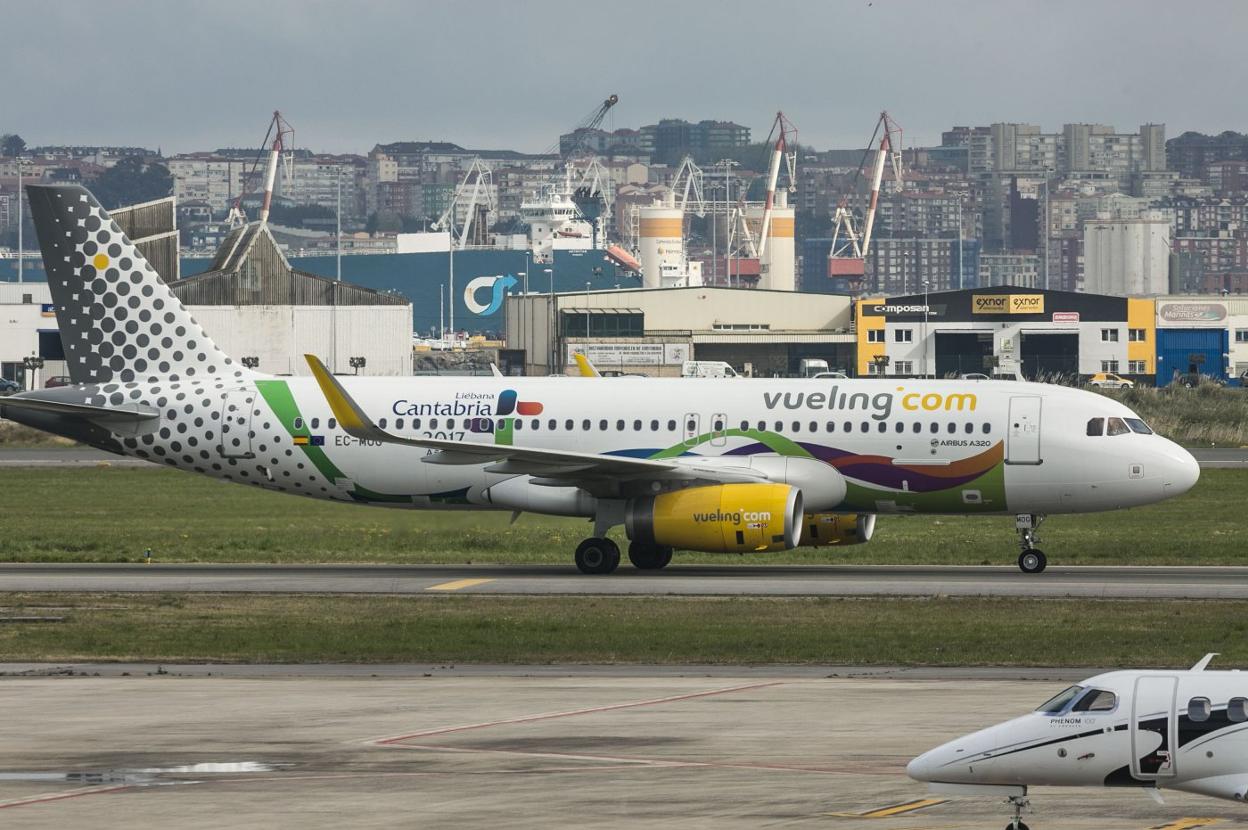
(1022, 444)
(719, 429)
(1154, 728)
(692, 425)
(236, 406)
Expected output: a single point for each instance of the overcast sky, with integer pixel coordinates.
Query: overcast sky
(197, 75)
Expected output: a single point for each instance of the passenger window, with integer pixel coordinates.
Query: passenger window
(952, 428)
(866, 427)
(1096, 427)
(415, 423)
(536, 423)
(619, 425)
(398, 423)
(779, 427)
(517, 426)
(433, 423)
(718, 427)
(333, 423)
(1237, 709)
(1199, 709)
(762, 426)
(636, 426)
(797, 427)
(831, 425)
(745, 425)
(969, 427)
(935, 428)
(1096, 700)
(552, 424)
(901, 427)
(450, 423)
(1116, 426)
(671, 425)
(297, 423)
(987, 427)
(814, 426)
(602, 425)
(316, 422)
(849, 427)
(882, 427)
(382, 423)
(918, 427)
(654, 426)
(587, 425)
(569, 424)
(1138, 426)
(691, 426)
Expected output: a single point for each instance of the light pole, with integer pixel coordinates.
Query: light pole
(20, 259)
(926, 313)
(552, 334)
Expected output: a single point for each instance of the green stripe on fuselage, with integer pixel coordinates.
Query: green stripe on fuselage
(277, 395)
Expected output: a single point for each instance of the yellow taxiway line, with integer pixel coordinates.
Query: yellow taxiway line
(458, 584)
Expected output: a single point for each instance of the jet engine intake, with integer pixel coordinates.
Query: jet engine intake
(723, 518)
(821, 530)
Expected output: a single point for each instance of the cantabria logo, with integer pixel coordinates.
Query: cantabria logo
(498, 285)
(472, 404)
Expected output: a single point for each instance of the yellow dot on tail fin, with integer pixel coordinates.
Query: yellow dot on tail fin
(100, 262)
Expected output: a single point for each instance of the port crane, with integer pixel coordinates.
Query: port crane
(588, 124)
(475, 197)
(280, 152)
(855, 246)
(784, 151)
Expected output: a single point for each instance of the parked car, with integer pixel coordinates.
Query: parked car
(833, 375)
(974, 376)
(58, 380)
(8, 387)
(1108, 380)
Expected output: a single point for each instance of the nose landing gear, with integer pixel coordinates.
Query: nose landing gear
(1032, 560)
(1019, 803)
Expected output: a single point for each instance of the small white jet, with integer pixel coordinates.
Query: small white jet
(1178, 730)
(725, 466)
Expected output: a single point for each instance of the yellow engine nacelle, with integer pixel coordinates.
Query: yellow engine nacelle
(821, 530)
(724, 518)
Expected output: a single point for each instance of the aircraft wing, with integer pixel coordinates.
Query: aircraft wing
(544, 463)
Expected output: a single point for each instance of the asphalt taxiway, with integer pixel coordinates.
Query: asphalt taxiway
(676, 580)
(594, 749)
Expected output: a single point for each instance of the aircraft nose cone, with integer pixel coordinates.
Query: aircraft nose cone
(1182, 472)
(920, 769)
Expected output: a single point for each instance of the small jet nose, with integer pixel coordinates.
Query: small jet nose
(920, 769)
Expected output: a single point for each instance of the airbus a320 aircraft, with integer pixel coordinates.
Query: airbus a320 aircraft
(1179, 730)
(733, 465)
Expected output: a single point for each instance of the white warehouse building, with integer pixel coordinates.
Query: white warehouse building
(1127, 257)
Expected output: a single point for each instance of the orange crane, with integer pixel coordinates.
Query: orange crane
(848, 259)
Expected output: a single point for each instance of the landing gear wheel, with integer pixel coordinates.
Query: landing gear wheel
(1018, 826)
(597, 556)
(648, 557)
(1032, 561)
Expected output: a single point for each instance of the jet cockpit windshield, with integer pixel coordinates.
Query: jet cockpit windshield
(1057, 704)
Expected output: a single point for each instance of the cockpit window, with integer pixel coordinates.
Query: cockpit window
(1096, 700)
(1057, 704)
(1117, 427)
(1096, 426)
(1138, 426)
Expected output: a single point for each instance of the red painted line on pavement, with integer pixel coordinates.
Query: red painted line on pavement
(592, 710)
(44, 799)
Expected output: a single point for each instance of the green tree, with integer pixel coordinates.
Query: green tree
(12, 145)
(130, 181)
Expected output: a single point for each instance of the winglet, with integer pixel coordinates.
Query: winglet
(587, 368)
(1205, 661)
(346, 410)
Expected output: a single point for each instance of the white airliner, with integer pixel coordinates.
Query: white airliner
(1178, 730)
(734, 466)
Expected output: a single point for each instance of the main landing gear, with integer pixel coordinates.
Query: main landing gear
(1019, 803)
(649, 557)
(597, 556)
(1032, 560)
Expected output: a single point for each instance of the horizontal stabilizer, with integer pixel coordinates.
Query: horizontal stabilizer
(129, 418)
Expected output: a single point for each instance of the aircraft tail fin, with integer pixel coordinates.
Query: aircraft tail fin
(119, 321)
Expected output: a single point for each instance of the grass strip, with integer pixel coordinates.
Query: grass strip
(115, 514)
(667, 630)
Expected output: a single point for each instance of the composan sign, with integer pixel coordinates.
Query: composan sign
(1192, 312)
(1007, 303)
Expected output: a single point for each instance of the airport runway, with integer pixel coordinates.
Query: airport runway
(1229, 458)
(676, 580)
(586, 750)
